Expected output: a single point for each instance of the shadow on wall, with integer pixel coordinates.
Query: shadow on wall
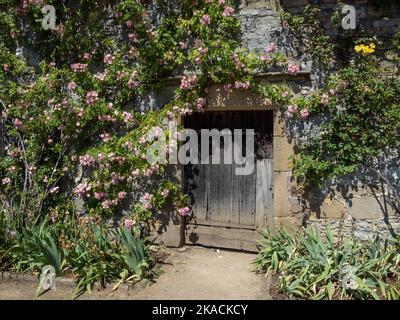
(168, 216)
(365, 195)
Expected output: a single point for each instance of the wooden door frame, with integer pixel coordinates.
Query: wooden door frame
(217, 236)
(243, 100)
(262, 201)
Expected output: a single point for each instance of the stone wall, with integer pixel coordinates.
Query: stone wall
(354, 208)
(350, 207)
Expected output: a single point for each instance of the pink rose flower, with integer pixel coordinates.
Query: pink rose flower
(228, 11)
(292, 109)
(101, 76)
(129, 223)
(201, 103)
(108, 58)
(242, 85)
(293, 69)
(87, 56)
(129, 24)
(87, 160)
(188, 82)
(6, 181)
(271, 47)
(304, 114)
(82, 189)
(79, 67)
(205, 20)
(60, 29)
(184, 211)
(17, 123)
(98, 195)
(105, 137)
(228, 87)
(122, 195)
(106, 204)
(147, 197)
(127, 116)
(165, 193)
(91, 97)
(132, 37)
(325, 99)
(236, 60)
(72, 86)
(198, 43)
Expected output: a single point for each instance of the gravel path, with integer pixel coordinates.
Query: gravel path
(192, 273)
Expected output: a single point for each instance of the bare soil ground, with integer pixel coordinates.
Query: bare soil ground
(195, 273)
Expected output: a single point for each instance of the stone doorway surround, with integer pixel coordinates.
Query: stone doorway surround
(240, 100)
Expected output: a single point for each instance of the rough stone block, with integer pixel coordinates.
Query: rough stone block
(295, 206)
(287, 222)
(257, 4)
(259, 25)
(172, 233)
(333, 209)
(281, 194)
(395, 22)
(220, 100)
(278, 124)
(283, 149)
(365, 208)
(391, 211)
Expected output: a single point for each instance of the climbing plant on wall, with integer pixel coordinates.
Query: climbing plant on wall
(73, 129)
(76, 124)
(357, 110)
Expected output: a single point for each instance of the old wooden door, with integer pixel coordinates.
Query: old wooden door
(230, 209)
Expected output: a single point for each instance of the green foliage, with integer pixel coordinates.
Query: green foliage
(49, 126)
(72, 128)
(360, 124)
(136, 255)
(96, 254)
(307, 29)
(37, 246)
(311, 266)
(93, 253)
(354, 119)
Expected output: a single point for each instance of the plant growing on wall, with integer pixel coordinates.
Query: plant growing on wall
(357, 111)
(73, 127)
(76, 110)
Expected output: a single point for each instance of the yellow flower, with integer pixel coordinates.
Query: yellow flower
(357, 48)
(365, 49)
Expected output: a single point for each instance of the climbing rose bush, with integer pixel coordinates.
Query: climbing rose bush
(76, 127)
(73, 128)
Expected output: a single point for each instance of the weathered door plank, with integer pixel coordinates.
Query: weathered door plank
(229, 208)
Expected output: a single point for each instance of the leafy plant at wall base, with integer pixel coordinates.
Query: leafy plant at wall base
(36, 247)
(311, 266)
